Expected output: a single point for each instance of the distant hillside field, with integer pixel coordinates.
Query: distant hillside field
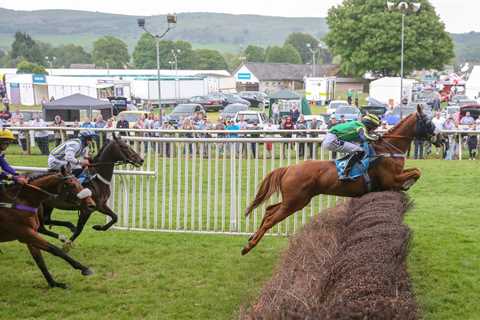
(224, 32)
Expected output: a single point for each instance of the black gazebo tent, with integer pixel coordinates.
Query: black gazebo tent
(69, 107)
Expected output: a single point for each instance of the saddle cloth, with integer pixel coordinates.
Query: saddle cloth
(360, 168)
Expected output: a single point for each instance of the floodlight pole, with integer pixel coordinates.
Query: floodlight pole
(171, 20)
(403, 7)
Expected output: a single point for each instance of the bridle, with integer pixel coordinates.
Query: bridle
(125, 159)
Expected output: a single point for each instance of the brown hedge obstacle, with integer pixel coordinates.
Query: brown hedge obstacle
(348, 263)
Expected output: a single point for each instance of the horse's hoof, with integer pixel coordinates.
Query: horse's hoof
(58, 285)
(98, 227)
(245, 250)
(87, 272)
(67, 246)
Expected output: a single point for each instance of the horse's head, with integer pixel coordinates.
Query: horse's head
(70, 184)
(425, 129)
(122, 152)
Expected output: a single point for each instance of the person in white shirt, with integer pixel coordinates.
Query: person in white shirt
(41, 136)
(438, 120)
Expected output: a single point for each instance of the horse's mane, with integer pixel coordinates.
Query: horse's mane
(99, 153)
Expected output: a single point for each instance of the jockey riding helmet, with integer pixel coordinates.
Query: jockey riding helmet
(371, 121)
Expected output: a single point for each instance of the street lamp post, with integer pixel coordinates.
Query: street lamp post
(404, 8)
(314, 52)
(175, 57)
(171, 21)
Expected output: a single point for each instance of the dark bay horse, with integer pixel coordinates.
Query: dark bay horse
(20, 221)
(101, 170)
(299, 183)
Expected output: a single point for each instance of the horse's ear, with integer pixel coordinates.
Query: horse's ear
(419, 109)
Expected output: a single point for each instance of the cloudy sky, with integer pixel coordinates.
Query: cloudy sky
(458, 15)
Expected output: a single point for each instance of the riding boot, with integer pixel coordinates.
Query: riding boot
(357, 156)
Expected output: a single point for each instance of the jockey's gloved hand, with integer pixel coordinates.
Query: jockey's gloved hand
(84, 163)
(20, 179)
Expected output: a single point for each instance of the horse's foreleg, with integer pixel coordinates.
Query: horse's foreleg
(37, 256)
(406, 179)
(82, 220)
(47, 220)
(109, 212)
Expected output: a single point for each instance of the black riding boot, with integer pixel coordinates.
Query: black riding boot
(357, 156)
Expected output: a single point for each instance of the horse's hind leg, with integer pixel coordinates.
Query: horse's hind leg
(33, 238)
(37, 256)
(269, 211)
(278, 213)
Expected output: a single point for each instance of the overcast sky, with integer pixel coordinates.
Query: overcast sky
(458, 15)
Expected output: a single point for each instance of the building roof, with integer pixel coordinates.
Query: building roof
(289, 71)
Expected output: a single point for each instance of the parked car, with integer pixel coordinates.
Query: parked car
(257, 99)
(183, 111)
(379, 111)
(234, 98)
(252, 117)
(119, 104)
(392, 117)
(230, 111)
(320, 121)
(466, 102)
(209, 103)
(457, 98)
(348, 113)
(474, 110)
(334, 104)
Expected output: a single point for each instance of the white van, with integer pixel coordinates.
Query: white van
(251, 117)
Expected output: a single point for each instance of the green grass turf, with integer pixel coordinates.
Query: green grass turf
(184, 276)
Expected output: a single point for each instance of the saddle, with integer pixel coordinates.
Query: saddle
(351, 167)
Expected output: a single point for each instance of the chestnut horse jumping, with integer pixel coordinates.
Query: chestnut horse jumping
(299, 183)
(19, 218)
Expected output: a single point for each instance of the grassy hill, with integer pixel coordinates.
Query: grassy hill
(226, 32)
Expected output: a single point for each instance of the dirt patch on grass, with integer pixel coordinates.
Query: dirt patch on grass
(348, 263)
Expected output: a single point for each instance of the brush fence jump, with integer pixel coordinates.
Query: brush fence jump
(203, 185)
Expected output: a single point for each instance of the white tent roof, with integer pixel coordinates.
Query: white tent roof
(472, 88)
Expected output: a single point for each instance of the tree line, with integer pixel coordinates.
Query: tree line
(32, 56)
(363, 37)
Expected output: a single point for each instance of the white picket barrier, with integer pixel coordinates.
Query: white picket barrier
(203, 185)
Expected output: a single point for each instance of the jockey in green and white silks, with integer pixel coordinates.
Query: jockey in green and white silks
(342, 137)
(74, 152)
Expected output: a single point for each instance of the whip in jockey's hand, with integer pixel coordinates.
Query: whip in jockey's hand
(342, 138)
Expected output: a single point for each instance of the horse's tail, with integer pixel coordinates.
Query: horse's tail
(270, 185)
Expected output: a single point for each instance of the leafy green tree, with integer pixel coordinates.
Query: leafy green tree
(233, 60)
(367, 37)
(254, 54)
(145, 53)
(209, 60)
(25, 66)
(285, 54)
(24, 47)
(112, 51)
(300, 41)
(69, 54)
